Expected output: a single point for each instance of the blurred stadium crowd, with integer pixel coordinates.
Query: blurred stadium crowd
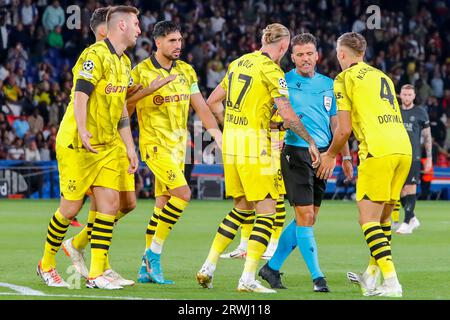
(37, 51)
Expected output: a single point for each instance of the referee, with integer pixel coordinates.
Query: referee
(312, 98)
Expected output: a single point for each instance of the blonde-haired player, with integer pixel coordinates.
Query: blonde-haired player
(366, 103)
(253, 84)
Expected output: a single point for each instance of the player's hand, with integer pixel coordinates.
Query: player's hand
(315, 155)
(428, 165)
(326, 166)
(347, 167)
(277, 145)
(134, 161)
(160, 82)
(85, 140)
(133, 89)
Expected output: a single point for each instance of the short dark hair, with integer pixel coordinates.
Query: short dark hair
(121, 9)
(303, 38)
(163, 28)
(98, 17)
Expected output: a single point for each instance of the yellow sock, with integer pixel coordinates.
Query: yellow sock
(81, 240)
(258, 241)
(379, 247)
(279, 220)
(246, 227)
(100, 242)
(119, 216)
(227, 231)
(386, 227)
(56, 232)
(396, 212)
(151, 227)
(168, 218)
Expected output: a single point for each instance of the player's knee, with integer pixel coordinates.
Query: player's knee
(128, 207)
(186, 195)
(307, 218)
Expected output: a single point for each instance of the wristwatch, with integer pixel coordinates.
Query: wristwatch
(347, 158)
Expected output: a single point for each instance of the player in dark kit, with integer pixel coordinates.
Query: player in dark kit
(417, 124)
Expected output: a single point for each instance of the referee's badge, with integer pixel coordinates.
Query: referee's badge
(327, 101)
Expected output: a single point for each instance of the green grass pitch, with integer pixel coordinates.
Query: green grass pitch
(422, 259)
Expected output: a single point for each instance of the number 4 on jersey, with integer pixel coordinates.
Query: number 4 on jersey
(386, 93)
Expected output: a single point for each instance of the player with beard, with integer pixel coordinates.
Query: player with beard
(417, 124)
(162, 117)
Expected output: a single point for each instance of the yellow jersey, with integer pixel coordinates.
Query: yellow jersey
(377, 123)
(163, 115)
(104, 76)
(252, 83)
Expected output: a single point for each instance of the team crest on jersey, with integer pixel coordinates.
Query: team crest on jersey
(327, 102)
(171, 175)
(71, 186)
(88, 65)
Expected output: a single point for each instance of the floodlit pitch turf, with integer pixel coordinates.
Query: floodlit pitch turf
(422, 259)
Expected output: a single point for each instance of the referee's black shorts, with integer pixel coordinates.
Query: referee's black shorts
(303, 188)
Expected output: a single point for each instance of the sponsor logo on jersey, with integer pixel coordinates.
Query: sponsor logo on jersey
(159, 100)
(113, 89)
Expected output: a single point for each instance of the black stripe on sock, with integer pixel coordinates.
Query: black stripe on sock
(261, 230)
(96, 237)
(236, 217)
(170, 214)
(53, 243)
(245, 214)
(99, 246)
(386, 228)
(259, 239)
(375, 237)
(55, 236)
(164, 219)
(265, 223)
(280, 202)
(378, 246)
(278, 210)
(153, 223)
(103, 222)
(383, 254)
(230, 224)
(90, 225)
(225, 233)
(171, 206)
(278, 224)
(154, 216)
(59, 224)
(56, 229)
(97, 229)
(283, 217)
(371, 229)
(152, 232)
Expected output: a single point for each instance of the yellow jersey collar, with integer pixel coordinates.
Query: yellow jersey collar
(158, 66)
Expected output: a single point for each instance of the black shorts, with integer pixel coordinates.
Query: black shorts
(303, 188)
(414, 172)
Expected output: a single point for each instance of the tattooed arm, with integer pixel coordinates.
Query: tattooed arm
(293, 122)
(426, 133)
